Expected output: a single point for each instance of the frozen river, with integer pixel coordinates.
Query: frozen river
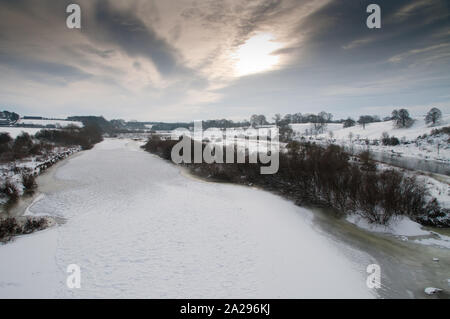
(138, 227)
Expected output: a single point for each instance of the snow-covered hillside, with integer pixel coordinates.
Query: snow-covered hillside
(16, 131)
(56, 123)
(375, 130)
(357, 139)
(308, 128)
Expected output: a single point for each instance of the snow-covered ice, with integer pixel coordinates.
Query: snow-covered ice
(432, 290)
(138, 227)
(399, 226)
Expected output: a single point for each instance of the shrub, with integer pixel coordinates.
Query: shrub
(29, 182)
(367, 163)
(12, 227)
(9, 227)
(349, 122)
(22, 145)
(32, 225)
(86, 137)
(5, 138)
(444, 130)
(389, 141)
(10, 191)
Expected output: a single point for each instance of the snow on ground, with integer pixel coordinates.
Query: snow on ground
(147, 231)
(441, 241)
(27, 267)
(354, 138)
(432, 148)
(401, 226)
(404, 228)
(438, 189)
(16, 131)
(56, 123)
(308, 128)
(375, 130)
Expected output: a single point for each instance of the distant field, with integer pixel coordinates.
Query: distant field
(57, 123)
(375, 130)
(16, 131)
(306, 128)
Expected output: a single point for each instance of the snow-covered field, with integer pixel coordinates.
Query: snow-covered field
(404, 228)
(308, 128)
(375, 130)
(56, 123)
(354, 138)
(146, 230)
(16, 131)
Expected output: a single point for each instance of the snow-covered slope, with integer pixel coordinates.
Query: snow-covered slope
(56, 123)
(146, 231)
(307, 128)
(354, 138)
(16, 131)
(375, 130)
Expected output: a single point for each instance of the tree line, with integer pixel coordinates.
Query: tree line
(327, 176)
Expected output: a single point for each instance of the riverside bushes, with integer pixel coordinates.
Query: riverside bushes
(10, 227)
(29, 182)
(24, 145)
(86, 137)
(324, 176)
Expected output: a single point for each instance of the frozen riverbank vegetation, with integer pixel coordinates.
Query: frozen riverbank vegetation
(326, 176)
(10, 227)
(25, 157)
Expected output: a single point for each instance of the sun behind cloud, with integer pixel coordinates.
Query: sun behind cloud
(256, 55)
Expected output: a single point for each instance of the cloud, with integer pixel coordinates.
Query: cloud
(43, 70)
(430, 53)
(176, 59)
(126, 30)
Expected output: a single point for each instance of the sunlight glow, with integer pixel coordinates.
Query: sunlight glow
(256, 55)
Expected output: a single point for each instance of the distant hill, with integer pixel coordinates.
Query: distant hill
(99, 121)
(375, 130)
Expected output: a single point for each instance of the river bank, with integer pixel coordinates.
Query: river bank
(14, 217)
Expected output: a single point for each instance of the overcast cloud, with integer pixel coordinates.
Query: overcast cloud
(186, 59)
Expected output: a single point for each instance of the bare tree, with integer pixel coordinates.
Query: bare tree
(433, 116)
(349, 122)
(256, 120)
(277, 118)
(365, 119)
(401, 118)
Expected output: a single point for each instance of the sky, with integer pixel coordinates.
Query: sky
(183, 60)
